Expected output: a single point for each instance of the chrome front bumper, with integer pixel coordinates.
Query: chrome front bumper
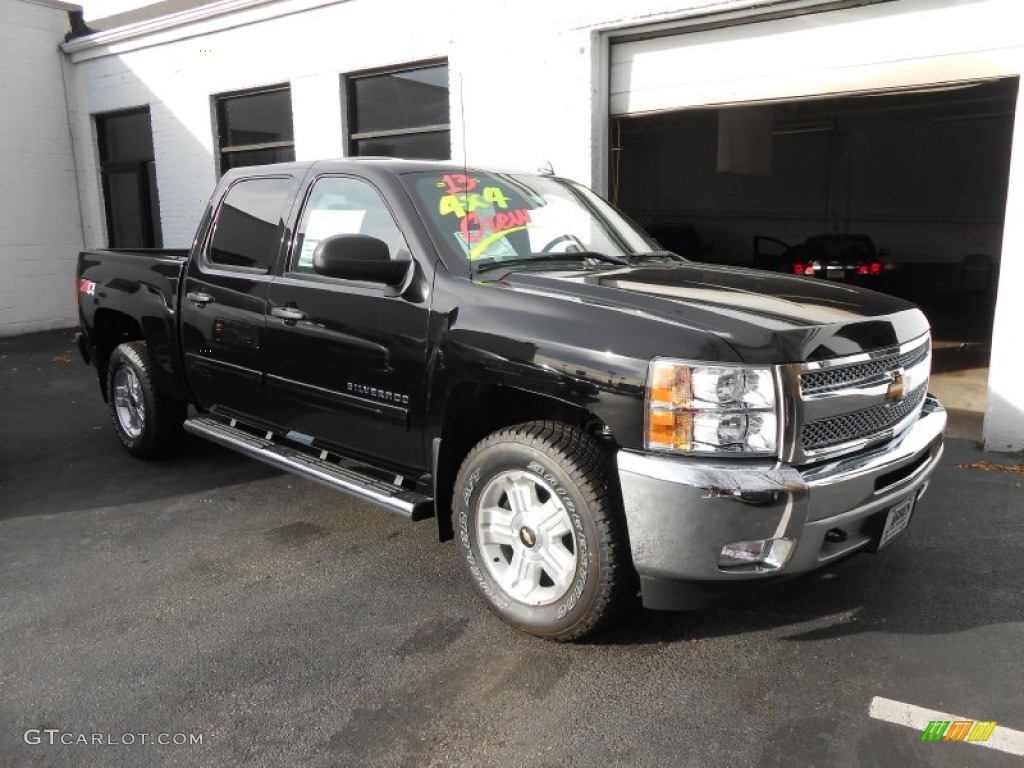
(681, 512)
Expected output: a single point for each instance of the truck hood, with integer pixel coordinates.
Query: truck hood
(765, 317)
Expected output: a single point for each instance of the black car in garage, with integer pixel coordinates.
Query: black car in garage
(834, 257)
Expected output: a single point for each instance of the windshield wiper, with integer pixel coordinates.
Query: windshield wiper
(636, 257)
(605, 257)
(483, 265)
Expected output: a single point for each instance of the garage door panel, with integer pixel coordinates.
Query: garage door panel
(896, 45)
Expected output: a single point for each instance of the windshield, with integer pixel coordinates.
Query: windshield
(489, 218)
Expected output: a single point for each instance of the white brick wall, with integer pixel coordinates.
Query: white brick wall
(40, 223)
(528, 86)
(177, 81)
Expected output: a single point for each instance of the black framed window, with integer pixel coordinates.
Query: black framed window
(255, 127)
(250, 223)
(128, 178)
(400, 113)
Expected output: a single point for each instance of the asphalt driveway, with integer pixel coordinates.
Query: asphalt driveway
(284, 624)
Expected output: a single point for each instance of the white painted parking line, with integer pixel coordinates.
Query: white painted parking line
(918, 718)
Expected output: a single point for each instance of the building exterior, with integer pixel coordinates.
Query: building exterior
(165, 100)
(40, 222)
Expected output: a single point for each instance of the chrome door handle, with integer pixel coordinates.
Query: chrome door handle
(288, 314)
(200, 298)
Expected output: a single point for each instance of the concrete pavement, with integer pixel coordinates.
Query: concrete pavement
(289, 625)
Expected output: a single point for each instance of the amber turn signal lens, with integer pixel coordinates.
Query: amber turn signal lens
(661, 428)
(670, 385)
(669, 429)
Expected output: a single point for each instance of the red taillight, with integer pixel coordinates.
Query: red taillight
(805, 269)
(876, 268)
(862, 269)
(798, 269)
(87, 286)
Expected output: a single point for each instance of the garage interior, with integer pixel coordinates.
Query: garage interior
(922, 172)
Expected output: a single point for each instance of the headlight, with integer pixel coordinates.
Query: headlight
(710, 408)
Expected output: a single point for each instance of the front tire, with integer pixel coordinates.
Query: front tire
(541, 531)
(146, 420)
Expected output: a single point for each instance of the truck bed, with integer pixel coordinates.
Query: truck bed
(135, 290)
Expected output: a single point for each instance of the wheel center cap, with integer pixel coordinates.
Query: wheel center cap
(528, 536)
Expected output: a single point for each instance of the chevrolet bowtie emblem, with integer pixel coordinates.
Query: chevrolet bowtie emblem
(897, 387)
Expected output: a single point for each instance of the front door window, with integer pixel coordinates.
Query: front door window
(340, 205)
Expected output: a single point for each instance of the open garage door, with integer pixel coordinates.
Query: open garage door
(764, 144)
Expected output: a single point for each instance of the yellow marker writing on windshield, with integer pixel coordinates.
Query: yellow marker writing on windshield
(482, 245)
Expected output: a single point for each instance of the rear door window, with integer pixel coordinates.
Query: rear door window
(250, 224)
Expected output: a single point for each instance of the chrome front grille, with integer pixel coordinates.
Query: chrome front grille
(838, 406)
(853, 426)
(836, 378)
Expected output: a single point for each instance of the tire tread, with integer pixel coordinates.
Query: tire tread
(167, 413)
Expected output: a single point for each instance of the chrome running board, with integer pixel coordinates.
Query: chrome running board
(348, 478)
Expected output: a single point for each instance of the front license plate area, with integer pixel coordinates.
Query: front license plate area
(896, 521)
(886, 526)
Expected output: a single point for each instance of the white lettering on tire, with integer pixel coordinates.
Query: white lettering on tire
(571, 600)
(474, 567)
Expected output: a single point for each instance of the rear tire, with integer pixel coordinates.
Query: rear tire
(541, 531)
(146, 420)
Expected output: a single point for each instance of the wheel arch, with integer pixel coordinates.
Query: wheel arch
(493, 406)
(111, 327)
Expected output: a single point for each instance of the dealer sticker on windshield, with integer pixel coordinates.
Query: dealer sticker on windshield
(897, 521)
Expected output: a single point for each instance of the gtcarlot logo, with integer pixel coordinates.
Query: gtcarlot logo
(54, 736)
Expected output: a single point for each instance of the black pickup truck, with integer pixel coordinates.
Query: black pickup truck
(587, 416)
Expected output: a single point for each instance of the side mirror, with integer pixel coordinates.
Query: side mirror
(358, 257)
